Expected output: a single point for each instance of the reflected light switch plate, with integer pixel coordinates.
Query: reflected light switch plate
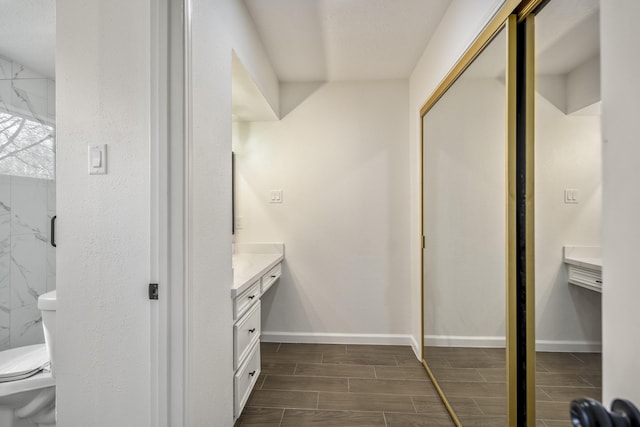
(98, 159)
(571, 195)
(276, 196)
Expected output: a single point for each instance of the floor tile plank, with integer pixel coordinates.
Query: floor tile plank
(365, 402)
(401, 373)
(331, 370)
(304, 383)
(283, 399)
(417, 420)
(300, 418)
(263, 417)
(360, 359)
(312, 348)
(403, 387)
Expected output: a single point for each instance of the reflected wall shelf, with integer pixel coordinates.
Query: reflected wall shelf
(584, 264)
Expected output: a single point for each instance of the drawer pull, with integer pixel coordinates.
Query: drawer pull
(252, 330)
(273, 276)
(251, 296)
(598, 281)
(252, 373)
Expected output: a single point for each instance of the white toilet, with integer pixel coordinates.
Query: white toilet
(27, 376)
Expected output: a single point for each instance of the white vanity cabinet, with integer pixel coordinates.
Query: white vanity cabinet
(256, 268)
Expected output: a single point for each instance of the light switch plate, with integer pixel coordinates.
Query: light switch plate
(98, 159)
(571, 195)
(276, 196)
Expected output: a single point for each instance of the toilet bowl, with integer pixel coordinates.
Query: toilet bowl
(27, 381)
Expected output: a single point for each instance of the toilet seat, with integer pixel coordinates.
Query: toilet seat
(23, 362)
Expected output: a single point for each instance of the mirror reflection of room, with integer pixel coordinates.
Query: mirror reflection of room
(464, 257)
(568, 207)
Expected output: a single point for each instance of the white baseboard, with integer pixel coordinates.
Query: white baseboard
(463, 341)
(569, 346)
(339, 338)
(416, 347)
(499, 342)
(430, 340)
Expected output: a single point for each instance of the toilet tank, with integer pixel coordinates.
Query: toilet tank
(47, 306)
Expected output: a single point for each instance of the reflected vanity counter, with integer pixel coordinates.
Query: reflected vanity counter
(584, 264)
(256, 267)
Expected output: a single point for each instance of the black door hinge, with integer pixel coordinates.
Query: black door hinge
(153, 291)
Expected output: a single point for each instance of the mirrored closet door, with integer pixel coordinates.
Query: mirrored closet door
(464, 220)
(568, 200)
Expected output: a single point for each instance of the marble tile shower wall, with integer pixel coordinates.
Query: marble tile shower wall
(25, 92)
(27, 260)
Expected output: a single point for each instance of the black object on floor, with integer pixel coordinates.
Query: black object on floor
(591, 413)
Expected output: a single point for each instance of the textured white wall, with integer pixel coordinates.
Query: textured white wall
(341, 160)
(568, 155)
(103, 79)
(621, 232)
(461, 23)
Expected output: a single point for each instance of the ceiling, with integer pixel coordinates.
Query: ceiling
(28, 33)
(326, 40)
(329, 40)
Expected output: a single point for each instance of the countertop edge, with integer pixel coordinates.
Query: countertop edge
(237, 290)
(583, 263)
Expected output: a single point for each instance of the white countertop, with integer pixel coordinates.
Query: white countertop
(584, 256)
(251, 261)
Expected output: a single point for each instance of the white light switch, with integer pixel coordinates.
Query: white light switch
(98, 159)
(276, 196)
(571, 195)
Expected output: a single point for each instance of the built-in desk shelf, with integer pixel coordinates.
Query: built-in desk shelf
(584, 265)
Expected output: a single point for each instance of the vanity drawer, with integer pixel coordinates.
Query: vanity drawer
(243, 301)
(245, 379)
(245, 333)
(585, 277)
(271, 277)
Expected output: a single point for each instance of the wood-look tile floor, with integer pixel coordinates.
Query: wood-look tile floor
(474, 381)
(342, 385)
(361, 385)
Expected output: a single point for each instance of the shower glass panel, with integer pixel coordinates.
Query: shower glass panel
(464, 224)
(27, 200)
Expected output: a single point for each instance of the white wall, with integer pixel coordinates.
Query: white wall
(465, 215)
(103, 79)
(248, 46)
(341, 160)
(462, 22)
(218, 28)
(621, 233)
(583, 85)
(568, 155)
